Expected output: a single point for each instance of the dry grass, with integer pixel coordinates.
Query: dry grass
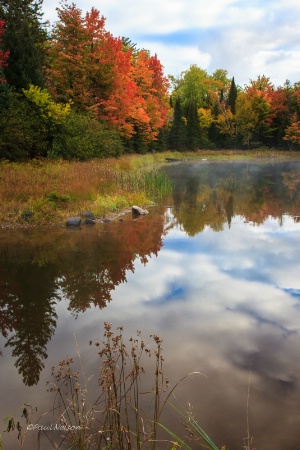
(40, 192)
(45, 191)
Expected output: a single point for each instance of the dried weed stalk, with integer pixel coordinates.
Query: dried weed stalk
(116, 419)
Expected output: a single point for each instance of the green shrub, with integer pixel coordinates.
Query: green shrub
(23, 134)
(82, 137)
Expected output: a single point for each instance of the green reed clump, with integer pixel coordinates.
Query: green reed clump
(196, 434)
(153, 183)
(156, 184)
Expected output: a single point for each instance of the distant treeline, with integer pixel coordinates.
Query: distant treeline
(75, 91)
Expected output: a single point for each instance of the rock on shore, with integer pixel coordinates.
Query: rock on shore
(139, 211)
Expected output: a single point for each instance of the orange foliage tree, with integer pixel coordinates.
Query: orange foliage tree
(72, 56)
(93, 69)
(266, 109)
(292, 132)
(149, 111)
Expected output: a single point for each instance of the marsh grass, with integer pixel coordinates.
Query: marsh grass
(44, 191)
(47, 191)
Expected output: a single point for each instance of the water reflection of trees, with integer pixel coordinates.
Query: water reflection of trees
(38, 269)
(212, 194)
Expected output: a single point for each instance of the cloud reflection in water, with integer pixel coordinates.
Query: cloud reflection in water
(224, 296)
(227, 303)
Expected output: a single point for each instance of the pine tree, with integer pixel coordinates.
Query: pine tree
(177, 135)
(193, 126)
(232, 96)
(24, 37)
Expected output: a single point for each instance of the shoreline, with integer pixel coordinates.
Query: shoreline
(30, 198)
(110, 217)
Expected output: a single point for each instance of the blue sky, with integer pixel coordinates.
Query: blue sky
(247, 38)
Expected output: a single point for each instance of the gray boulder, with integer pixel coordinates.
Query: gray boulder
(88, 215)
(73, 222)
(136, 210)
(89, 221)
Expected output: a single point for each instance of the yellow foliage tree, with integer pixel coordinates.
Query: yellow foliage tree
(205, 118)
(226, 122)
(48, 108)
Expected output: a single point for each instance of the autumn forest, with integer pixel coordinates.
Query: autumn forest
(72, 90)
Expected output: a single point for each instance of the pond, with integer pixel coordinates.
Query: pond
(213, 269)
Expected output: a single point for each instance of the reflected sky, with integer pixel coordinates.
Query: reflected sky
(226, 303)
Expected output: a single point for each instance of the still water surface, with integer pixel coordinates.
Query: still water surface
(214, 270)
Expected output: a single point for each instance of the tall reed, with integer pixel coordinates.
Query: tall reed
(115, 419)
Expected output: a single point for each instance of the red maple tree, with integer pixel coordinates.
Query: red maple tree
(94, 70)
(3, 54)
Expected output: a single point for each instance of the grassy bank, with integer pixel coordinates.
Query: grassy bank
(40, 192)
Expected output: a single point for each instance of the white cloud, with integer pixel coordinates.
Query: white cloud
(164, 17)
(246, 40)
(178, 57)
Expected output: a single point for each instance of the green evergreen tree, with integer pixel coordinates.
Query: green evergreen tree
(232, 96)
(25, 37)
(221, 95)
(193, 129)
(5, 91)
(177, 134)
(161, 143)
